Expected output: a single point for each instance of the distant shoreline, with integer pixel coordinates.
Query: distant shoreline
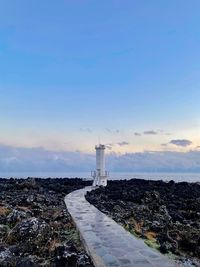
(177, 177)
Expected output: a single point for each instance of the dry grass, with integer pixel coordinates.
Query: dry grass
(53, 244)
(151, 235)
(138, 227)
(4, 211)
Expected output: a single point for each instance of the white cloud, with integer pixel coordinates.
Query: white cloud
(166, 161)
(111, 145)
(39, 159)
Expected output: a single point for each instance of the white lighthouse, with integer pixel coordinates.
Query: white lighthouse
(100, 175)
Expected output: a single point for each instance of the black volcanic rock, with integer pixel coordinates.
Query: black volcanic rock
(35, 226)
(167, 215)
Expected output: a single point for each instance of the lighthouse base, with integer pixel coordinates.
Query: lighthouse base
(100, 181)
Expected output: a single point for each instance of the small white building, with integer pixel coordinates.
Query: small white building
(100, 175)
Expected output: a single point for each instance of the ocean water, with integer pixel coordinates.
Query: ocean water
(177, 177)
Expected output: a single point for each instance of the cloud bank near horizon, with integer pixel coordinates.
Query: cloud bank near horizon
(39, 159)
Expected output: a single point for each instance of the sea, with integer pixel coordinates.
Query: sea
(177, 177)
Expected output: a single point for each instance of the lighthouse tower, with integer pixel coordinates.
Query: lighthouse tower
(100, 175)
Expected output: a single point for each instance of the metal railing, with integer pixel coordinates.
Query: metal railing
(94, 174)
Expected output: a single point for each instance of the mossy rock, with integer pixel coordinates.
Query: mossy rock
(152, 243)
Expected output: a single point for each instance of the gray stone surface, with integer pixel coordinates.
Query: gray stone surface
(108, 243)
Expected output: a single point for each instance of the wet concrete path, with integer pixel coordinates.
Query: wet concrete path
(108, 243)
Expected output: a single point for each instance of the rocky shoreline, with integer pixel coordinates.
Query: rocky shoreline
(35, 226)
(166, 215)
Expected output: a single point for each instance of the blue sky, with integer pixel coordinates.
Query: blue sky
(72, 72)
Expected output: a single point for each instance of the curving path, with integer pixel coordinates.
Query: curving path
(107, 243)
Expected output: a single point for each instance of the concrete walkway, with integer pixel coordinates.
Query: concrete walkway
(107, 243)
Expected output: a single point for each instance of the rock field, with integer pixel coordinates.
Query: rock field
(165, 215)
(35, 226)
